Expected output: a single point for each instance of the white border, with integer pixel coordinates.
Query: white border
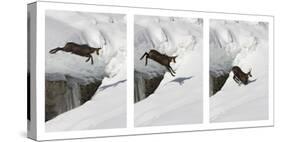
(206, 68)
(130, 12)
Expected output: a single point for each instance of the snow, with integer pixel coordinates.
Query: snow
(107, 108)
(174, 38)
(177, 100)
(62, 27)
(243, 44)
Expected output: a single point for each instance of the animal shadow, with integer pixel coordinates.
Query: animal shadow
(181, 80)
(251, 81)
(112, 85)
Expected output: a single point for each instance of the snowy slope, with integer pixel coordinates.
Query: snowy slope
(244, 44)
(177, 100)
(107, 109)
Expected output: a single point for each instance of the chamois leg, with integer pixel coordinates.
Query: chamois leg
(97, 51)
(234, 78)
(170, 71)
(92, 61)
(146, 58)
(237, 80)
(89, 57)
(53, 51)
(145, 54)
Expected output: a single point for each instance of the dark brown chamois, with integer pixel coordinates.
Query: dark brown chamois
(78, 49)
(162, 59)
(239, 76)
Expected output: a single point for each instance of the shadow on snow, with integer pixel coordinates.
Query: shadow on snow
(181, 80)
(112, 85)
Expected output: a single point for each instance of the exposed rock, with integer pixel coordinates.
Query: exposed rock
(87, 91)
(55, 91)
(66, 93)
(145, 85)
(216, 83)
(152, 84)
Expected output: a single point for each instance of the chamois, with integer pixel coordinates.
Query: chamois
(162, 59)
(78, 49)
(239, 76)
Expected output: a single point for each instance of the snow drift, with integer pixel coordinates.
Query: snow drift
(177, 100)
(243, 44)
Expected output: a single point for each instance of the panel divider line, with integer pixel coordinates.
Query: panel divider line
(130, 70)
(206, 71)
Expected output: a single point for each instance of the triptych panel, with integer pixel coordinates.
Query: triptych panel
(133, 70)
(85, 58)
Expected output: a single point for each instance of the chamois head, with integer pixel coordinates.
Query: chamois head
(173, 59)
(249, 73)
(95, 50)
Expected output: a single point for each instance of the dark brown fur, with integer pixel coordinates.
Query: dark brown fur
(162, 59)
(78, 49)
(239, 76)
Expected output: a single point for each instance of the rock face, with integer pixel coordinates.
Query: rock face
(145, 85)
(64, 93)
(216, 83)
